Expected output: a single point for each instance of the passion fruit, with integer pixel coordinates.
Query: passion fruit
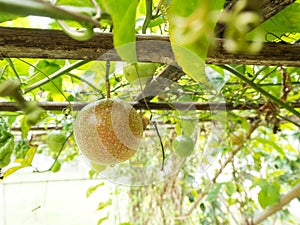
(55, 140)
(183, 145)
(141, 70)
(108, 131)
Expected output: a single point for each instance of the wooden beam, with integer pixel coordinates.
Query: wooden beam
(205, 106)
(54, 44)
(162, 80)
(271, 54)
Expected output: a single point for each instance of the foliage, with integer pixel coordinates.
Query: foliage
(7, 144)
(229, 177)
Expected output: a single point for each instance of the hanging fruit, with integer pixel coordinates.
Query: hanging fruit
(108, 131)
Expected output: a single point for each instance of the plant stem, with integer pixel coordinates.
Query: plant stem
(43, 8)
(259, 89)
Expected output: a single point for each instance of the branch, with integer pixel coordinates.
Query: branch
(43, 8)
(169, 75)
(294, 193)
(205, 106)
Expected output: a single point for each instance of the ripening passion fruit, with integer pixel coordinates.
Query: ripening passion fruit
(108, 131)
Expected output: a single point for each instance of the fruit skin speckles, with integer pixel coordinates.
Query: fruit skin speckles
(108, 131)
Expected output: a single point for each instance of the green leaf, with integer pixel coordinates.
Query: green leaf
(25, 127)
(102, 205)
(269, 194)
(29, 155)
(188, 125)
(190, 62)
(7, 17)
(123, 13)
(230, 188)
(285, 21)
(273, 144)
(92, 189)
(23, 162)
(191, 33)
(214, 192)
(101, 220)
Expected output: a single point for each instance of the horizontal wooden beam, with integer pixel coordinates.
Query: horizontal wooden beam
(271, 54)
(209, 106)
(54, 44)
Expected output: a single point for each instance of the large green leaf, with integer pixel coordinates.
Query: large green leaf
(7, 17)
(191, 33)
(123, 13)
(22, 162)
(269, 194)
(286, 21)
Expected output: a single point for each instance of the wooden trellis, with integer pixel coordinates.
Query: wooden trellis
(55, 44)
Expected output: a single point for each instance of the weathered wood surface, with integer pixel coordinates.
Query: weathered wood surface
(54, 44)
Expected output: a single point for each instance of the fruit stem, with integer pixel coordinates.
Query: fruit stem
(107, 90)
(107, 84)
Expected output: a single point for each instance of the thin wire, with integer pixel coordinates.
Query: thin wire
(162, 146)
(57, 156)
(151, 115)
(4, 204)
(47, 76)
